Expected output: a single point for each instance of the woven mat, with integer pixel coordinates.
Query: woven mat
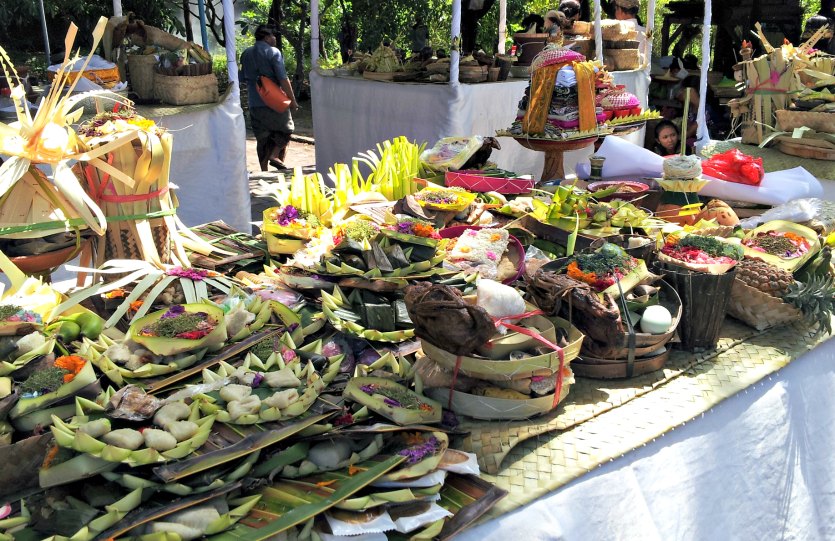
(773, 159)
(602, 420)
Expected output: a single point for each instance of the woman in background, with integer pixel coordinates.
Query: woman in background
(667, 139)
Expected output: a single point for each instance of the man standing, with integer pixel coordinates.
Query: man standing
(272, 129)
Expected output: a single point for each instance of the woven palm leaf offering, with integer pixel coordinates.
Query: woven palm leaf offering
(280, 388)
(492, 357)
(47, 139)
(681, 184)
(365, 314)
(176, 431)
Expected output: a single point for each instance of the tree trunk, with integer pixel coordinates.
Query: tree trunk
(187, 21)
(298, 79)
(276, 18)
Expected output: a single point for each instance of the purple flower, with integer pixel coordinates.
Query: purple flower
(416, 453)
(193, 274)
(174, 311)
(288, 215)
(405, 227)
(392, 402)
(256, 381)
(330, 349)
(368, 389)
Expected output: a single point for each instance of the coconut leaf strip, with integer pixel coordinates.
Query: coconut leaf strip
(272, 498)
(224, 355)
(468, 497)
(250, 444)
(142, 516)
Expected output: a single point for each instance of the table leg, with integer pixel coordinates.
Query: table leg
(553, 168)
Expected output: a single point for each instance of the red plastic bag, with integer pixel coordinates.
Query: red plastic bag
(734, 166)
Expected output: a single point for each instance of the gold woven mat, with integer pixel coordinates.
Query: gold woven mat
(542, 459)
(491, 441)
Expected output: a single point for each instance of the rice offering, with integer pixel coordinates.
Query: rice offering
(480, 250)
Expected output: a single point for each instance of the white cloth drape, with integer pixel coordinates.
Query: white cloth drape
(702, 135)
(598, 31)
(314, 33)
(502, 25)
(757, 466)
(231, 60)
(455, 37)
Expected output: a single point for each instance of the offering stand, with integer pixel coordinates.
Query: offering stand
(554, 153)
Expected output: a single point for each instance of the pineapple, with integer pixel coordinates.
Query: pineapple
(816, 301)
(764, 277)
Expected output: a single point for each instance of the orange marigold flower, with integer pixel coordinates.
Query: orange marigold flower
(412, 438)
(353, 470)
(136, 305)
(795, 238)
(325, 483)
(423, 230)
(425, 407)
(116, 294)
(72, 364)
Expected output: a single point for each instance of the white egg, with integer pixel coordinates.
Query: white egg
(656, 320)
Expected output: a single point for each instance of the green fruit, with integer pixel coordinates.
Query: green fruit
(91, 325)
(69, 331)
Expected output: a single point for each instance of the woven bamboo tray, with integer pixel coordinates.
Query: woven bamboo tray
(759, 310)
(494, 409)
(621, 59)
(592, 367)
(803, 150)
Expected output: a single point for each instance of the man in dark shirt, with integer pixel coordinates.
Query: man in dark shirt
(272, 129)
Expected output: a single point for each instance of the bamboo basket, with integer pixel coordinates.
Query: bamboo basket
(759, 310)
(823, 122)
(621, 59)
(186, 90)
(141, 70)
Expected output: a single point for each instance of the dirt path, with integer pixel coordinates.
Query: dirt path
(299, 153)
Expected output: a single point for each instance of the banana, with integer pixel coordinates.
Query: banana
(817, 267)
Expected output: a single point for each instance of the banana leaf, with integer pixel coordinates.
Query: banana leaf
(288, 503)
(7, 367)
(118, 374)
(85, 377)
(783, 226)
(388, 398)
(74, 469)
(21, 462)
(254, 442)
(171, 346)
(468, 497)
(141, 516)
(68, 435)
(228, 352)
(339, 302)
(386, 497)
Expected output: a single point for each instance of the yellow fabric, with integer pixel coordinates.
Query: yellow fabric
(542, 89)
(105, 77)
(585, 95)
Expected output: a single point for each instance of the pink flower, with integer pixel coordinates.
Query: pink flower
(472, 232)
(491, 256)
(288, 354)
(193, 274)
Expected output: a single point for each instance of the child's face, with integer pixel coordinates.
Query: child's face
(668, 138)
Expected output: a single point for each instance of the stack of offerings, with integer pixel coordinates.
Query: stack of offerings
(493, 357)
(620, 46)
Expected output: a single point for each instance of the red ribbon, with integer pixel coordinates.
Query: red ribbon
(504, 321)
(104, 191)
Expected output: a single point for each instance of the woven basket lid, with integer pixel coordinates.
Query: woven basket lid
(551, 55)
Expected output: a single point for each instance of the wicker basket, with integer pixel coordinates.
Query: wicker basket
(759, 310)
(621, 59)
(121, 243)
(186, 90)
(789, 120)
(141, 74)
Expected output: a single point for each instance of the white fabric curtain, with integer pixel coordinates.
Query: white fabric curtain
(598, 31)
(702, 135)
(455, 36)
(502, 25)
(314, 33)
(231, 59)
